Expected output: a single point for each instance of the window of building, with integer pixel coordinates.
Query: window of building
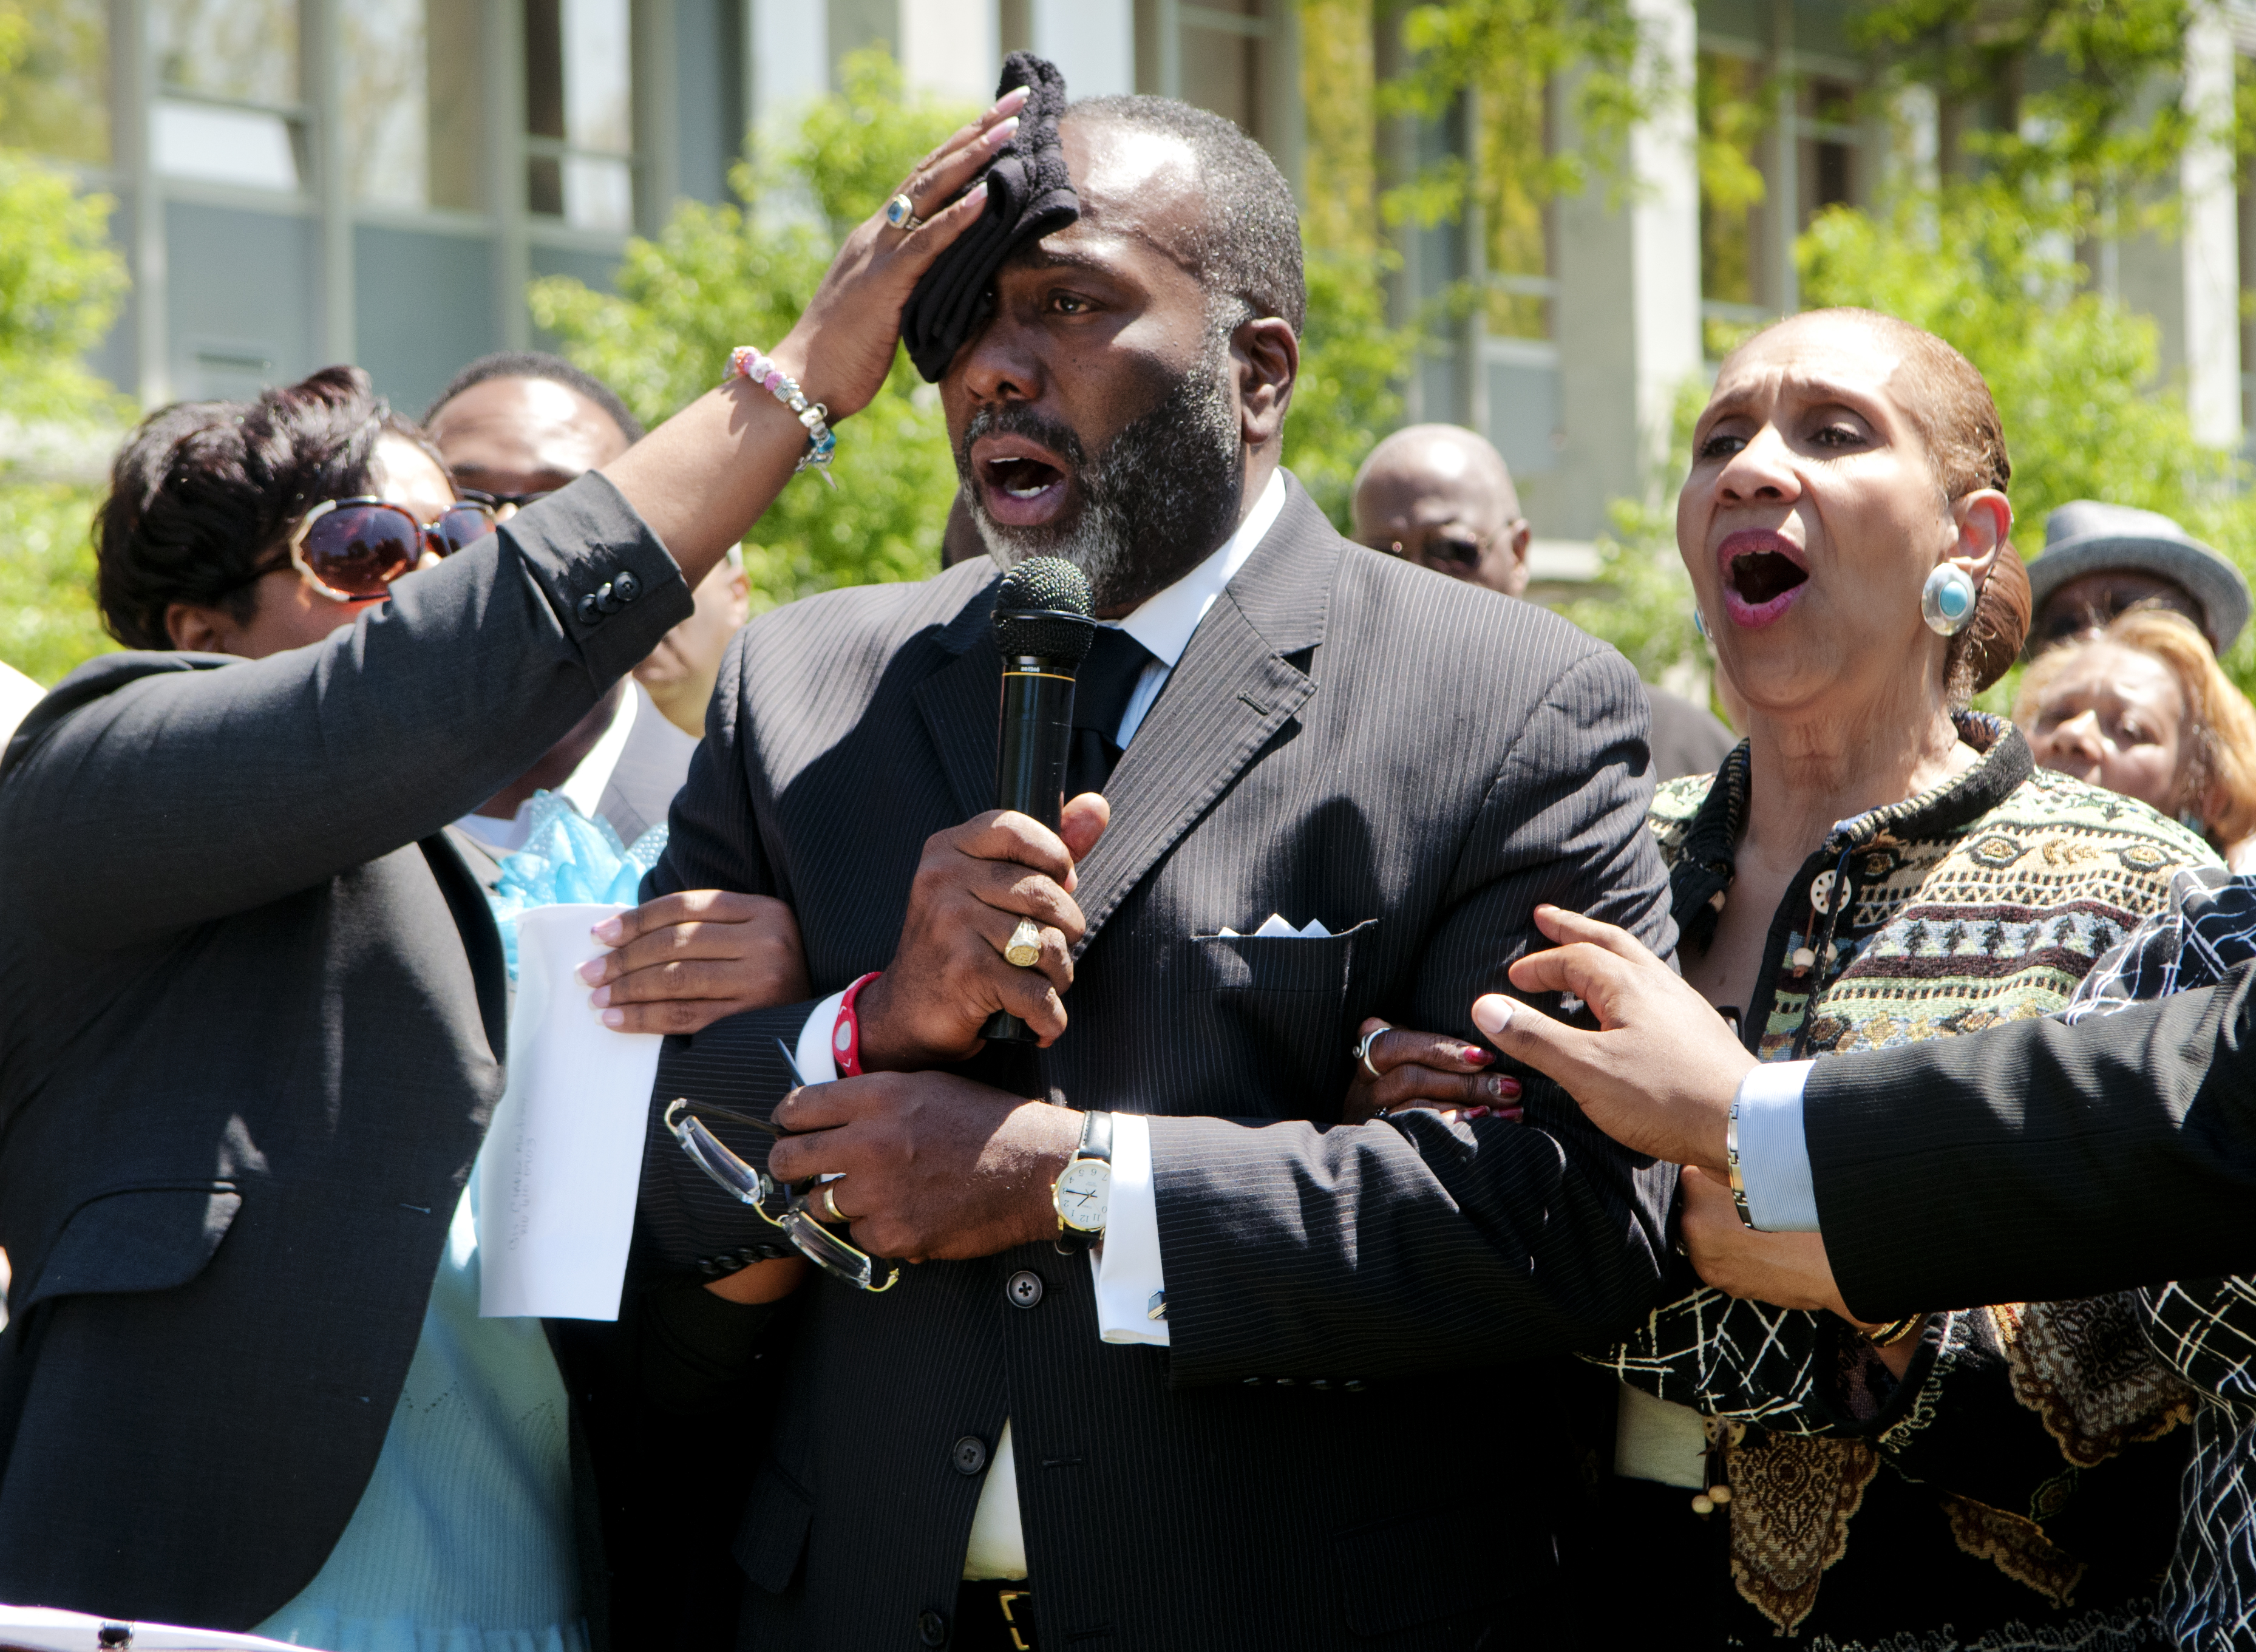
(1221, 46)
(1828, 134)
(1514, 135)
(412, 107)
(55, 101)
(580, 112)
(1733, 105)
(231, 108)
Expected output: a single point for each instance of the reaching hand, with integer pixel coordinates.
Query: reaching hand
(1425, 1069)
(856, 313)
(683, 962)
(1661, 1075)
(949, 973)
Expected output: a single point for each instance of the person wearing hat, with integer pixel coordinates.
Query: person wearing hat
(2101, 559)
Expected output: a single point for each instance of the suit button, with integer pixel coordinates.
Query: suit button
(1024, 1290)
(1353, 1384)
(627, 587)
(970, 1454)
(607, 598)
(708, 1267)
(1285, 1382)
(589, 612)
(1320, 1382)
(932, 1627)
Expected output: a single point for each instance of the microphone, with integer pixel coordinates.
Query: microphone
(1043, 630)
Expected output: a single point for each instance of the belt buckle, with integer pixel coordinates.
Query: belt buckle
(1003, 1598)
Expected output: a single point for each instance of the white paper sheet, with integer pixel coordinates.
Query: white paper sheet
(561, 1164)
(47, 1630)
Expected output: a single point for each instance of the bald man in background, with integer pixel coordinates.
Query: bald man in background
(1442, 497)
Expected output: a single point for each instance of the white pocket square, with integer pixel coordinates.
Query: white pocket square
(1276, 926)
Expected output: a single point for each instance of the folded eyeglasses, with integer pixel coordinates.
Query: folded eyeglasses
(749, 1185)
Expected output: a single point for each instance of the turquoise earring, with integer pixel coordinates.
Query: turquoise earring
(1946, 601)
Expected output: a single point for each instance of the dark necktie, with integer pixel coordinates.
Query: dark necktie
(1102, 689)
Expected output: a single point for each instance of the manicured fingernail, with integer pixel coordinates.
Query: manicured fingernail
(978, 192)
(1493, 1014)
(615, 1018)
(610, 931)
(1511, 1115)
(1003, 131)
(1498, 1085)
(1472, 1055)
(1015, 98)
(600, 997)
(592, 970)
(1475, 1112)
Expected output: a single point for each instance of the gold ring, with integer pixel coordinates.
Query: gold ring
(1024, 949)
(1363, 1051)
(830, 1204)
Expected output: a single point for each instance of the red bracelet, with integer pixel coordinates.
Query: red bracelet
(846, 1036)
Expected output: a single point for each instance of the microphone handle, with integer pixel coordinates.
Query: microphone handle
(1032, 746)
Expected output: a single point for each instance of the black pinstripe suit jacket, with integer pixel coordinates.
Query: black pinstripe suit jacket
(1347, 737)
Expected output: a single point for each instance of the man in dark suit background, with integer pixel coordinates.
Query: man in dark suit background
(1249, 1477)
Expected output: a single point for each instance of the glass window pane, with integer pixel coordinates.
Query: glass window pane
(1734, 115)
(1514, 151)
(245, 49)
(56, 100)
(412, 115)
(578, 111)
(225, 146)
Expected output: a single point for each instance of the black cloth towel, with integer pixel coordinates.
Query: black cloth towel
(1100, 691)
(1029, 195)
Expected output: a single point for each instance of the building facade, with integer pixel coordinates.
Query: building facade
(304, 181)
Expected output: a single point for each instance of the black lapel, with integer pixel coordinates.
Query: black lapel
(960, 703)
(1227, 697)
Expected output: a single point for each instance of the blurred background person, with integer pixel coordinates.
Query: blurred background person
(1442, 497)
(1875, 865)
(515, 427)
(2100, 560)
(2143, 707)
(681, 671)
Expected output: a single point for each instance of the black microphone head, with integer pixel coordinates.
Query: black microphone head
(1043, 609)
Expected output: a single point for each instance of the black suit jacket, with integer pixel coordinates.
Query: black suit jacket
(251, 1008)
(1349, 739)
(2041, 1161)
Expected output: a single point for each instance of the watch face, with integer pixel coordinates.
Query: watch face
(1083, 1193)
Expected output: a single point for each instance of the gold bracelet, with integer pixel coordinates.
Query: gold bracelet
(1895, 1331)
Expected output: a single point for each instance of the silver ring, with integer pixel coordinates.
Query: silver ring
(901, 212)
(1363, 1051)
(830, 1204)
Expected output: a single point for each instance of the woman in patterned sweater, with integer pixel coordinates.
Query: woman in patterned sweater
(1875, 865)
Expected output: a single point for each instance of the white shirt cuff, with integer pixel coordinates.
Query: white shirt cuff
(818, 1062)
(1773, 1155)
(1126, 1265)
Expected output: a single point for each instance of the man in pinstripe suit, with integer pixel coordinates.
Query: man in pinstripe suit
(1214, 1430)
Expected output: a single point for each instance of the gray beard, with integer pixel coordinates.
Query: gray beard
(1154, 503)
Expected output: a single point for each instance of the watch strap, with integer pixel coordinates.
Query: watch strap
(1095, 1137)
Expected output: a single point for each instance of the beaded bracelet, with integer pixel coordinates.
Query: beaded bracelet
(745, 362)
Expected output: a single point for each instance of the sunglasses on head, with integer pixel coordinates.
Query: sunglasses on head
(352, 549)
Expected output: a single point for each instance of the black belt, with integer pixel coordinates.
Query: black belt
(994, 1615)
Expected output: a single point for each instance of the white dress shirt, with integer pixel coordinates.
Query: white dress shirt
(1126, 1265)
(1773, 1152)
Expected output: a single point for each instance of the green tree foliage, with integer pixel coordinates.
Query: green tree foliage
(60, 280)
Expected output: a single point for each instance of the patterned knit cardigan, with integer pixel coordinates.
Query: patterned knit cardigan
(2029, 1493)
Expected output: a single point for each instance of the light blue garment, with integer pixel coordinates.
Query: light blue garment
(464, 1539)
(1773, 1152)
